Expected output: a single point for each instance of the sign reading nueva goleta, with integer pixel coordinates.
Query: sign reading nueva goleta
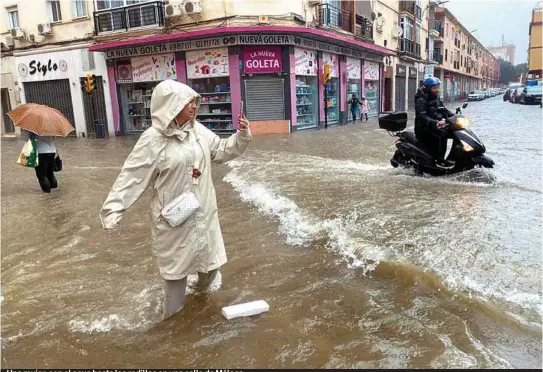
(247, 39)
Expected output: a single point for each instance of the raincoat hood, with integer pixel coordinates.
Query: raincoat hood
(168, 100)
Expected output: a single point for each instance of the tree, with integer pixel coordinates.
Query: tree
(507, 72)
(521, 69)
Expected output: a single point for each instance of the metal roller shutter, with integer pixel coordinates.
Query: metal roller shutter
(400, 93)
(412, 91)
(265, 98)
(52, 93)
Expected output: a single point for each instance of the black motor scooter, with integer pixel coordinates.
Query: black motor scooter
(467, 150)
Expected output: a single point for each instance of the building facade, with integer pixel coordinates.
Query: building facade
(504, 51)
(268, 54)
(535, 51)
(464, 64)
(45, 56)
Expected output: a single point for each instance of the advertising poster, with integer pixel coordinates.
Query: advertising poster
(306, 62)
(153, 68)
(207, 63)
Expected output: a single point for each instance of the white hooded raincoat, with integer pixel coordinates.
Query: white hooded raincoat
(164, 158)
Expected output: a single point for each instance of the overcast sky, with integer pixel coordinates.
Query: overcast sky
(492, 18)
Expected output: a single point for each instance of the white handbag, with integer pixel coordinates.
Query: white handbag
(178, 210)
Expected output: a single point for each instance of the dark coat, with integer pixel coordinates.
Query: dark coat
(427, 112)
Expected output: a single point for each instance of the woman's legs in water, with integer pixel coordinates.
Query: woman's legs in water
(175, 292)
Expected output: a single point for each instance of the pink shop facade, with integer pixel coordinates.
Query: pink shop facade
(274, 70)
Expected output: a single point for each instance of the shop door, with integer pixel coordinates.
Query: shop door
(412, 90)
(400, 93)
(6, 107)
(95, 106)
(265, 98)
(52, 93)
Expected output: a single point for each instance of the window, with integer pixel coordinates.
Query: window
(109, 4)
(54, 11)
(446, 28)
(79, 8)
(13, 17)
(407, 26)
(419, 32)
(446, 52)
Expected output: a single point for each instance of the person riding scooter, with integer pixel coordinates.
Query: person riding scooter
(430, 115)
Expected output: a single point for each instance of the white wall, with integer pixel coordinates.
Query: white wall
(74, 71)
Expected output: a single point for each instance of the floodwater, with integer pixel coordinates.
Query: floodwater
(363, 265)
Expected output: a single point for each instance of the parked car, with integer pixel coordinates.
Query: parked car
(476, 95)
(531, 95)
(507, 95)
(515, 96)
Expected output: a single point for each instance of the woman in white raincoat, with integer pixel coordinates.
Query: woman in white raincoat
(174, 156)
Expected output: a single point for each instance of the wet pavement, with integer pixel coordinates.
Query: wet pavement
(363, 265)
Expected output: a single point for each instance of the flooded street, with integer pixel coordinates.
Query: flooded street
(363, 265)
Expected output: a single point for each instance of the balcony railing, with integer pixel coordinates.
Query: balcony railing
(407, 6)
(138, 16)
(437, 57)
(435, 25)
(331, 16)
(363, 28)
(409, 47)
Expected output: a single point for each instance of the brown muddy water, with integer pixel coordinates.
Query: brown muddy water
(363, 266)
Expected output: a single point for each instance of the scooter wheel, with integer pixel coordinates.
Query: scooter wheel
(394, 163)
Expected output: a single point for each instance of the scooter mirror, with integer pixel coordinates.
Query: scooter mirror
(465, 105)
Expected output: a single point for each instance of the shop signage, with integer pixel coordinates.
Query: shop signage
(429, 70)
(305, 62)
(246, 39)
(207, 63)
(262, 60)
(153, 68)
(37, 68)
(354, 68)
(331, 59)
(371, 71)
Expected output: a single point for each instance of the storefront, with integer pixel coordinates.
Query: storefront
(208, 74)
(136, 78)
(264, 83)
(276, 76)
(332, 88)
(54, 78)
(371, 86)
(354, 80)
(307, 97)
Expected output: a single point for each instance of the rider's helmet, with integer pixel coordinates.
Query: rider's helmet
(431, 82)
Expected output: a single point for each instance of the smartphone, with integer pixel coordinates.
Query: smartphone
(241, 112)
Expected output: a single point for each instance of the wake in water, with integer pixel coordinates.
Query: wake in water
(363, 239)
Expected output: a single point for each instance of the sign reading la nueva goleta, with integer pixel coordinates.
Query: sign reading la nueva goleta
(246, 39)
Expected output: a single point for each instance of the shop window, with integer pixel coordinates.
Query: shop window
(55, 14)
(13, 17)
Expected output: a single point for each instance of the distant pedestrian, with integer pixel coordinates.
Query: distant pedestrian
(365, 108)
(354, 102)
(47, 152)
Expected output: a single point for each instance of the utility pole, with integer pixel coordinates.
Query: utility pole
(325, 79)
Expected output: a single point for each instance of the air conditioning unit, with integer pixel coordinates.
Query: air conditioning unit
(174, 10)
(192, 7)
(44, 29)
(17, 33)
(263, 20)
(10, 42)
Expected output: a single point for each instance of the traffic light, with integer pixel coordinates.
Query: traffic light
(326, 74)
(88, 83)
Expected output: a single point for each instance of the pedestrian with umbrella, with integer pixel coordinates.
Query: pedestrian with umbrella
(43, 124)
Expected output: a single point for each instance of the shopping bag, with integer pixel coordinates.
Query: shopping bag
(57, 165)
(29, 154)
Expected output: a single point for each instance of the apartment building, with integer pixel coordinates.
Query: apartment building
(464, 64)
(534, 52)
(45, 55)
(268, 54)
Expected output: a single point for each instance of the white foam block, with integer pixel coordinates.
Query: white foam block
(246, 309)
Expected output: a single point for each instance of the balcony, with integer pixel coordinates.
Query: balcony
(363, 29)
(437, 57)
(435, 26)
(133, 17)
(409, 48)
(407, 7)
(331, 16)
